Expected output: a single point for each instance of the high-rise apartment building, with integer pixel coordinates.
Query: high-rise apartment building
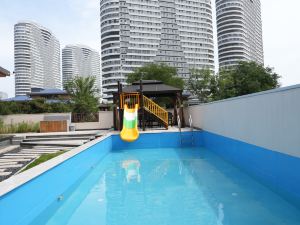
(134, 32)
(239, 29)
(37, 58)
(80, 60)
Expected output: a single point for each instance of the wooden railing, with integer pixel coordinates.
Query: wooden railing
(130, 99)
(155, 109)
(134, 98)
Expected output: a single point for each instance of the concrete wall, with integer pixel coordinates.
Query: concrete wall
(105, 119)
(269, 119)
(30, 118)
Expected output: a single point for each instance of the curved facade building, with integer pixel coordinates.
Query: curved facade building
(37, 58)
(239, 29)
(80, 60)
(133, 33)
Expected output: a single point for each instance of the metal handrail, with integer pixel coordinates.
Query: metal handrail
(179, 123)
(191, 122)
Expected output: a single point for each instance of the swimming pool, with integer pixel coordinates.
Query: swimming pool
(152, 181)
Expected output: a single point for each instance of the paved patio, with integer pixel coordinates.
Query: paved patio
(14, 158)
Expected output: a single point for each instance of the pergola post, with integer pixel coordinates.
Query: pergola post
(142, 105)
(175, 111)
(151, 88)
(120, 111)
(181, 111)
(115, 112)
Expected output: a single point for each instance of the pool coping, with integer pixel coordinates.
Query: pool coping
(18, 180)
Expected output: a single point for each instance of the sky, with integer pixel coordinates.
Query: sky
(77, 22)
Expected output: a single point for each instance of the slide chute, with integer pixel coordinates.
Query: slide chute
(130, 131)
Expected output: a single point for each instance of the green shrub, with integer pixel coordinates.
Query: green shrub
(22, 127)
(34, 106)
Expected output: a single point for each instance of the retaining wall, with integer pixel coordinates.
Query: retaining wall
(269, 119)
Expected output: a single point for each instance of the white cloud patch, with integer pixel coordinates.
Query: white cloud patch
(7, 57)
(281, 35)
(77, 21)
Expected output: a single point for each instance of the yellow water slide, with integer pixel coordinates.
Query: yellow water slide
(130, 131)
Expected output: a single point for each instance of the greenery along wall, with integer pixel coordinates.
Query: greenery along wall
(245, 78)
(83, 99)
(32, 107)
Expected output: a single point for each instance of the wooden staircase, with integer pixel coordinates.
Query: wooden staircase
(146, 104)
(160, 113)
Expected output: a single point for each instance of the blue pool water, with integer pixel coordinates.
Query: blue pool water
(168, 186)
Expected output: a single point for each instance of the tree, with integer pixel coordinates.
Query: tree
(162, 72)
(243, 79)
(83, 94)
(201, 83)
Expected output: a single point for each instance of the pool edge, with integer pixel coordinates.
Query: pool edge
(18, 180)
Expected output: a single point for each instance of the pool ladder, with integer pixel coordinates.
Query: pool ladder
(185, 134)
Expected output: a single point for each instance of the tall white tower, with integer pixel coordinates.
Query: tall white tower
(80, 60)
(37, 58)
(134, 32)
(239, 29)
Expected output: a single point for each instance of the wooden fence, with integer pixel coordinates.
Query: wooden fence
(53, 126)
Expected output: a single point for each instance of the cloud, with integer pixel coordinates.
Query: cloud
(281, 37)
(84, 8)
(77, 21)
(7, 57)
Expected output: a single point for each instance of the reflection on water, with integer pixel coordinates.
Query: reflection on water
(132, 170)
(171, 187)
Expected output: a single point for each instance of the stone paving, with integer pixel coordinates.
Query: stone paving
(13, 160)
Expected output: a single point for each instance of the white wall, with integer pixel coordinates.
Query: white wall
(106, 119)
(269, 119)
(105, 122)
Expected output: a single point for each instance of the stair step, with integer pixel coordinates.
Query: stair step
(62, 135)
(59, 139)
(22, 154)
(158, 119)
(2, 174)
(8, 163)
(15, 159)
(46, 147)
(10, 166)
(56, 143)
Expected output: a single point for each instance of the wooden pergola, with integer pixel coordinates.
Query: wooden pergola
(150, 89)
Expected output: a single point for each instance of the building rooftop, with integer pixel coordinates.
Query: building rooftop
(17, 99)
(4, 72)
(80, 46)
(35, 24)
(39, 91)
